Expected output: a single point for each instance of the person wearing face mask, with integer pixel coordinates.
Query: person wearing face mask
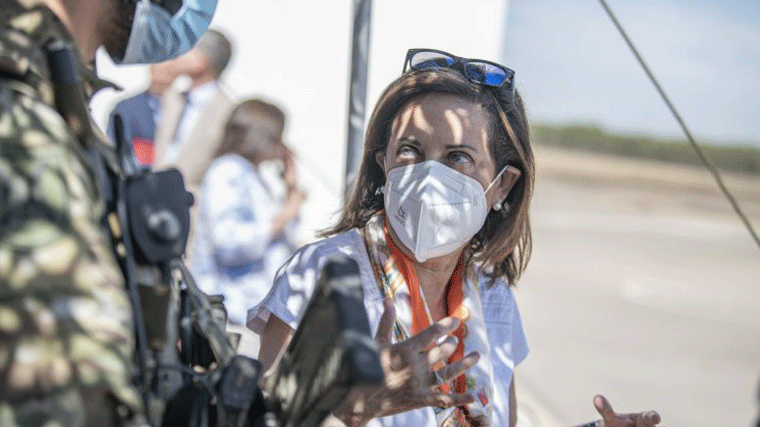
(438, 224)
(66, 333)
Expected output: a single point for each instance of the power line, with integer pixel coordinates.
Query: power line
(680, 121)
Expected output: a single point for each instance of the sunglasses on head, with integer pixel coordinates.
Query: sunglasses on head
(478, 71)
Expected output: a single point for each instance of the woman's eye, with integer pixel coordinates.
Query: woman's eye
(459, 157)
(408, 151)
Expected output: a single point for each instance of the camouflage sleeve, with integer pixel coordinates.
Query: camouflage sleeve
(65, 320)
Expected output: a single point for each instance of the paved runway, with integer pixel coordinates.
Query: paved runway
(646, 293)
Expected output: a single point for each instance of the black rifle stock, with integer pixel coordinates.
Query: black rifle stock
(189, 372)
(331, 352)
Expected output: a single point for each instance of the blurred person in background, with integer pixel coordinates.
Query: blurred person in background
(192, 118)
(245, 226)
(141, 113)
(438, 224)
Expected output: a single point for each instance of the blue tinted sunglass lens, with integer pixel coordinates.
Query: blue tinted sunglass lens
(487, 74)
(424, 60)
(495, 79)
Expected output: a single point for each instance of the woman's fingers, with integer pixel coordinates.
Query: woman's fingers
(446, 400)
(652, 417)
(428, 336)
(611, 419)
(605, 409)
(443, 350)
(433, 398)
(647, 419)
(449, 372)
(383, 335)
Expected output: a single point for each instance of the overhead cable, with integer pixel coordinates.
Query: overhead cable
(680, 121)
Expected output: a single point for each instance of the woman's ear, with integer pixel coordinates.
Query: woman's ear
(380, 159)
(507, 180)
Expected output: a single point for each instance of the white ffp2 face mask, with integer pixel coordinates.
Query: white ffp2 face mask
(433, 209)
(158, 36)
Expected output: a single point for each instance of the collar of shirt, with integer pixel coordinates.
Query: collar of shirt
(202, 94)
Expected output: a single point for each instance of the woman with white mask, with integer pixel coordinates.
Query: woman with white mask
(438, 224)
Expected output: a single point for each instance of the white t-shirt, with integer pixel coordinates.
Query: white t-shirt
(296, 281)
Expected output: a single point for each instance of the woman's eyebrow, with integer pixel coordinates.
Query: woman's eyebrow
(461, 146)
(410, 140)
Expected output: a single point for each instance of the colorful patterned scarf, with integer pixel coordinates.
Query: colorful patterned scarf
(397, 278)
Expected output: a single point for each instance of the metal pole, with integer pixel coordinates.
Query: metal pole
(503, 44)
(357, 93)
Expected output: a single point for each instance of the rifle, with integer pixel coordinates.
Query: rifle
(188, 369)
(331, 353)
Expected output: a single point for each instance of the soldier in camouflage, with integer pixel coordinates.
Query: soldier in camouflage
(66, 340)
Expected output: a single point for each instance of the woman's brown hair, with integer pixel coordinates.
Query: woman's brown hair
(253, 122)
(503, 245)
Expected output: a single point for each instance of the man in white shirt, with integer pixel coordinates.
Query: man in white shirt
(193, 117)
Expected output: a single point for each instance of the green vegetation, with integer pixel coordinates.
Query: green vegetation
(738, 158)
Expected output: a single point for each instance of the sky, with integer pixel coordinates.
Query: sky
(573, 66)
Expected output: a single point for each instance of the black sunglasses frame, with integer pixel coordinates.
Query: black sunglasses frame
(509, 74)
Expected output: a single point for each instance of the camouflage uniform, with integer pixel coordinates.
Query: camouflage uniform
(65, 320)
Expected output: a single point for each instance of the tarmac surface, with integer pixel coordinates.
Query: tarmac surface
(644, 286)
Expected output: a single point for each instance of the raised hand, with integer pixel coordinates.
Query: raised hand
(612, 419)
(289, 170)
(410, 380)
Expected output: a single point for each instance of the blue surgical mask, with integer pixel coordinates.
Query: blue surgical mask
(158, 36)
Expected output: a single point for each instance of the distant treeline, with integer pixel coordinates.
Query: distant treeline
(593, 138)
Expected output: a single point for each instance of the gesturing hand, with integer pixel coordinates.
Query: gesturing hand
(612, 419)
(410, 381)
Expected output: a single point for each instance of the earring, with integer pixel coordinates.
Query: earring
(497, 206)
